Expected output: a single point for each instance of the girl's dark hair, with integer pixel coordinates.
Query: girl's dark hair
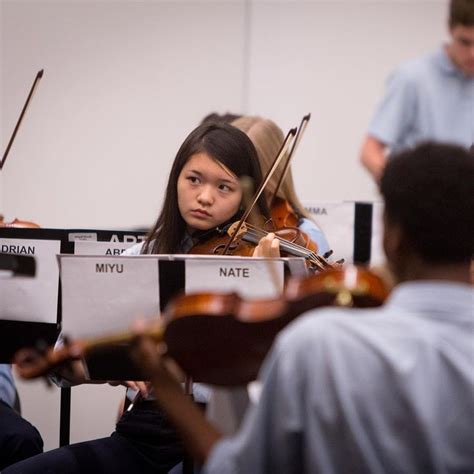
(223, 143)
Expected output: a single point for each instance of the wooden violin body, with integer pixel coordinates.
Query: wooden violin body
(222, 339)
(227, 345)
(248, 237)
(284, 217)
(216, 245)
(283, 214)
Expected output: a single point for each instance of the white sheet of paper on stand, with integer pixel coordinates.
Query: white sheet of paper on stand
(250, 277)
(101, 294)
(31, 299)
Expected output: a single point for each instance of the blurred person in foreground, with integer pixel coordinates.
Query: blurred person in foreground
(381, 390)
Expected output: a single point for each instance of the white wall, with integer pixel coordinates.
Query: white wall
(331, 59)
(123, 85)
(126, 81)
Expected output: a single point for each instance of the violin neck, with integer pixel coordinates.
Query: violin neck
(254, 235)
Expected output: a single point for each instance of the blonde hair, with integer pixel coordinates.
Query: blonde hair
(267, 138)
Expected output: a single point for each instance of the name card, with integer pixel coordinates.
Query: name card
(336, 220)
(31, 299)
(100, 248)
(250, 277)
(103, 294)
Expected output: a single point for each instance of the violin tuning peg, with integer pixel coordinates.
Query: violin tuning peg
(328, 254)
(340, 262)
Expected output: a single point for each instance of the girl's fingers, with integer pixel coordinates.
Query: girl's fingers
(269, 246)
(275, 248)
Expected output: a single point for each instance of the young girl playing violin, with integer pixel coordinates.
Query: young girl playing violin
(286, 208)
(203, 192)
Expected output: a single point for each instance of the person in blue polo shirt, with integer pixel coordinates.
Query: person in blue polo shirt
(370, 390)
(430, 98)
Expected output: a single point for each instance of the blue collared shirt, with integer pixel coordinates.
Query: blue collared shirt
(315, 234)
(7, 385)
(382, 390)
(426, 99)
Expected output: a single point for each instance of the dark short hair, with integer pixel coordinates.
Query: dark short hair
(429, 192)
(461, 12)
(222, 142)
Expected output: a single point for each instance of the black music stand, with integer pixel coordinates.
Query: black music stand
(18, 334)
(18, 265)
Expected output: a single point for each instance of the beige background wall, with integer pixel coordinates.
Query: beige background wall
(125, 81)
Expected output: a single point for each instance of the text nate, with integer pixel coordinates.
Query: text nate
(109, 267)
(236, 272)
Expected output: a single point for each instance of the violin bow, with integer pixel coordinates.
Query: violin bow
(299, 135)
(29, 365)
(288, 139)
(39, 75)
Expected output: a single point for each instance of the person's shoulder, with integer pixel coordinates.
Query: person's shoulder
(416, 69)
(316, 340)
(315, 234)
(134, 249)
(321, 325)
(306, 224)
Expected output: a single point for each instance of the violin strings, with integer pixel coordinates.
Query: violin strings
(316, 259)
(290, 247)
(286, 244)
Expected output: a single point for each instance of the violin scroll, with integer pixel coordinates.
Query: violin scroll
(17, 223)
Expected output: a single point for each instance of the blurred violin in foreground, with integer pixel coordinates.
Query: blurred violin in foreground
(222, 339)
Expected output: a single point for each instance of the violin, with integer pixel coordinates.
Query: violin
(246, 238)
(17, 223)
(222, 339)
